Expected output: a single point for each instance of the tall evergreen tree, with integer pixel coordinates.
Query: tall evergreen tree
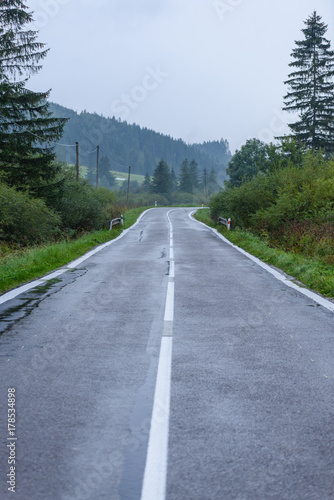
(173, 181)
(311, 85)
(212, 184)
(193, 168)
(107, 178)
(161, 182)
(147, 183)
(27, 129)
(186, 185)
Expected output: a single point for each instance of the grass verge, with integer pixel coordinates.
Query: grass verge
(312, 273)
(25, 265)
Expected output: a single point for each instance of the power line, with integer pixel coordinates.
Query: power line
(82, 149)
(87, 152)
(119, 164)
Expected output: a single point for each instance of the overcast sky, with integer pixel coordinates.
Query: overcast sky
(198, 70)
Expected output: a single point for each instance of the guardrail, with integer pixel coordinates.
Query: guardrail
(225, 222)
(115, 222)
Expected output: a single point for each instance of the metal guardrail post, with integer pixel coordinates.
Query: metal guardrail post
(225, 222)
(119, 220)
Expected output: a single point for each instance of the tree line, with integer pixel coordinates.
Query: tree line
(190, 180)
(123, 144)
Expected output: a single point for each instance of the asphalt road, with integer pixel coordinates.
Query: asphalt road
(167, 366)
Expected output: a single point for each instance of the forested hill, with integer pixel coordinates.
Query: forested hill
(125, 145)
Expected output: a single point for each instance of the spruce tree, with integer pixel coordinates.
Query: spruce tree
(107, 178)
(186, 185)
(27, 128)
(147, 183)
(193, 168)
(311, 92)
(161, 182)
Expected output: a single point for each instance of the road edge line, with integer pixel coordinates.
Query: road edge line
(11, 294)
(278, 275)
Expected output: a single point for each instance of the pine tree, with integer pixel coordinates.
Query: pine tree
(311, 88)
(27, 128)
(147, 183)
(186, 185)
(107, 178)
(173, 180)
(193, 168)
(161, 182)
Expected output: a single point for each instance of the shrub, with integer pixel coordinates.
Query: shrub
(25, 220)
(240, 203)
(83, 207)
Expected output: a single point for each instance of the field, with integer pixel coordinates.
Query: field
(124, 175)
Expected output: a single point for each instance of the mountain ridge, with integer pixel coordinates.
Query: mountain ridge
(129, 144)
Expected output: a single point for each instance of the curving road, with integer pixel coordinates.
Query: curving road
(167, 366)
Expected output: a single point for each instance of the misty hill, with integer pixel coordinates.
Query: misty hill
(125, 145)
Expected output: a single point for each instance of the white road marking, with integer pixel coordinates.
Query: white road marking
(154, 485)
(172, 269)
(169, 309)
(155, 475)
(33, 284)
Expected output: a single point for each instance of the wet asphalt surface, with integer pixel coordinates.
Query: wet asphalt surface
(252, 410)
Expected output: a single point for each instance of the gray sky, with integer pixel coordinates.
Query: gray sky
(198, 70)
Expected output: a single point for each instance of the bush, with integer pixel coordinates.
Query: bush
(291, 207)
(25, 220)
(83, 207)
(240, 203)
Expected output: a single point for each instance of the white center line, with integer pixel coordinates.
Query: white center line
(154, 486)
(169, 309)
(155, 475)
(172, 269)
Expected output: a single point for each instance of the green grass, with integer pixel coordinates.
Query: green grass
(312, 273)
(121, 175)
(21, 266)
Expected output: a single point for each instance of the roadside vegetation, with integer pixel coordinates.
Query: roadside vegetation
(281, 197)
(21, 264)
(290, 207)
(308, 271)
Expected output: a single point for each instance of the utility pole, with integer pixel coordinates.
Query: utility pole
(206, 193)
(97, 165)
(77, 159)
(127, 197)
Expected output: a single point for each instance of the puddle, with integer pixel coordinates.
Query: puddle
(21, 306)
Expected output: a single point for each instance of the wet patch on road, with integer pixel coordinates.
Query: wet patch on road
(163, 253)
(15, 310)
